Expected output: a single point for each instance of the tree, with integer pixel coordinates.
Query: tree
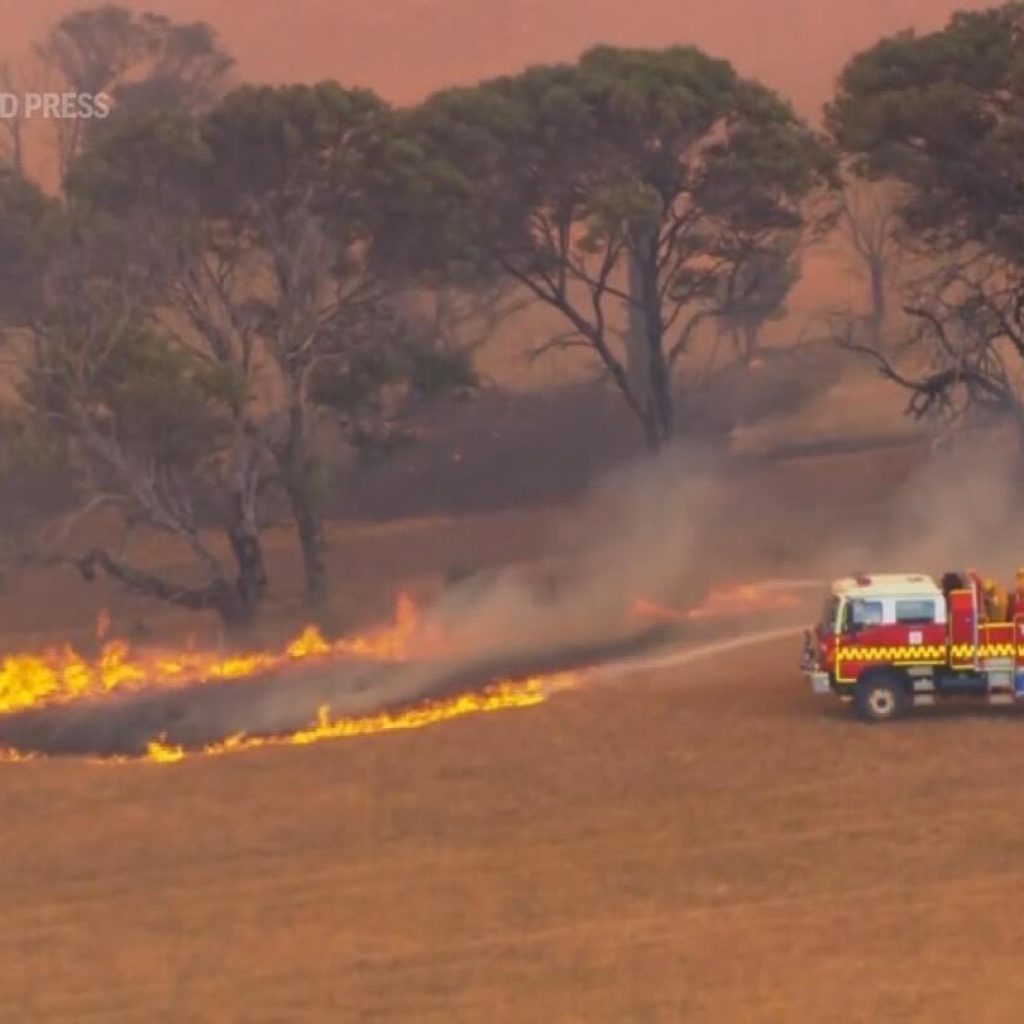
(144, 424)
(26, 214)
(154, 177)
(259, 218)
(943, 115)
(868, 223)
(292, 168)
(137, 60)
(12, 125)
(755, 291)
(36, 484)
(660, 167)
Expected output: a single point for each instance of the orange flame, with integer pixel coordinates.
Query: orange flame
(29, 679)
(503, 696)
(62, 675)
(736, 599)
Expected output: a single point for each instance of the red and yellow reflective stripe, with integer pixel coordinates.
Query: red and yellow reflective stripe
(965, 652)
(906, 652)
(911, 654)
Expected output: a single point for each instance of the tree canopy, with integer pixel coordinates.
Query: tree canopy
(258, 221)
(662, 166)
(941, 115)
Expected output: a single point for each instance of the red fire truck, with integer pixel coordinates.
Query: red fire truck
(888, 643)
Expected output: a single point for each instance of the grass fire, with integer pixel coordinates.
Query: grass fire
(60, 684)
(29, 679)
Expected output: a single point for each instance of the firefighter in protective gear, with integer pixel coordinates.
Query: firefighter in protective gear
(995, 601)
(1016, 606)
(974, 582)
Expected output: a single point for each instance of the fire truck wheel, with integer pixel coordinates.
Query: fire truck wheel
(882, 697)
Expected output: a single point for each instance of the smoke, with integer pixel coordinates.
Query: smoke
(661, 531)
(637, 535)
(954, 509)
(641, 533)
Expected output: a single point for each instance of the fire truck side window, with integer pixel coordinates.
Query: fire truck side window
(917, 612)
(866, 613)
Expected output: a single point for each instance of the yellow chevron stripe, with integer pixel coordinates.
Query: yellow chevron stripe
(965, 652)
(926, 652)
(915, 652)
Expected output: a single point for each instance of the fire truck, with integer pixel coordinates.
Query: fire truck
(889, 643)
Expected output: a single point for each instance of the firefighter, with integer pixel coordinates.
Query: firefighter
(995, 601)
(1016, 604)
(974, 581)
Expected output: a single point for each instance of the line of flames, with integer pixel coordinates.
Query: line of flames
(61, 675)
(58, 675)
(503, 696)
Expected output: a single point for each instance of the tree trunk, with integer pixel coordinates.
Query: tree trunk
(244, 536)
(251, 581)
(294, 463)
(648, 374)
(658, 398)
(878, 301)
(660, 425)
(312, 541)
(751, 341)
(636, 335)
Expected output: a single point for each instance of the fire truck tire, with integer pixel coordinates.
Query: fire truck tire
(882, 697)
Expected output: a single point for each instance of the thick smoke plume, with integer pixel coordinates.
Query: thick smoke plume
(952, 510)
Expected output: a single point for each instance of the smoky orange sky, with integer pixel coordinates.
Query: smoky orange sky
(407, 48)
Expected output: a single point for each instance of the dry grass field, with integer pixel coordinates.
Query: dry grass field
(700, 844)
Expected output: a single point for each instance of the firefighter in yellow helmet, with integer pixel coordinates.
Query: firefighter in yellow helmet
(995, 601)
(1016, 604)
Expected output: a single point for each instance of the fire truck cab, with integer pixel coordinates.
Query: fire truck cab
(891, 642)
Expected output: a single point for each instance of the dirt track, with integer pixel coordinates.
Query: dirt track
(706, 845)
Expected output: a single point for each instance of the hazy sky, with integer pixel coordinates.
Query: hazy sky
(407, 48)
(404, 49)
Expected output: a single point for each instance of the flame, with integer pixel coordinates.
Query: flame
(61, 675)
(735, 599)
(503, 696)
(30, 679)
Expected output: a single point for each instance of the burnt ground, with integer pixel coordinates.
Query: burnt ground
(200, 714)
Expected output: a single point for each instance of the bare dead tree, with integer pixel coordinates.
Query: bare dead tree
(963, 357)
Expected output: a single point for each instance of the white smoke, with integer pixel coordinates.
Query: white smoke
(637, 535)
